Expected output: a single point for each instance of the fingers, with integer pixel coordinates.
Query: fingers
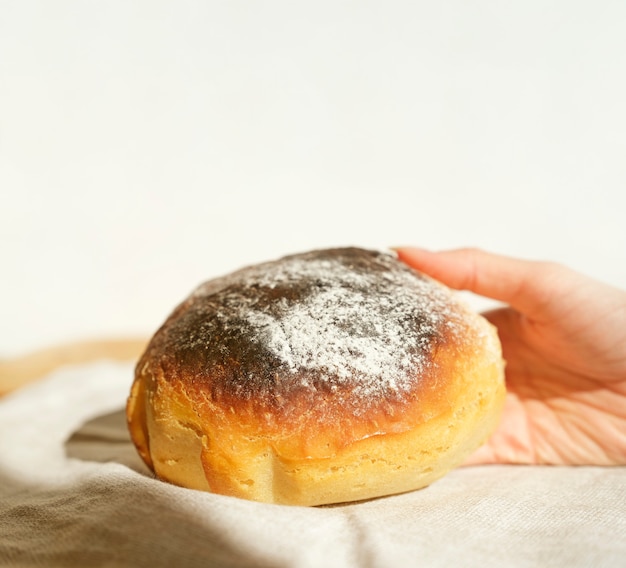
(520, 283)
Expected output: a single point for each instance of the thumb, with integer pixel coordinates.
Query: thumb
(524, 285)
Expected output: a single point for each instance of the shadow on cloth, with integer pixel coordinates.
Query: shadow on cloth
(110, 516)
(105, 439)
(111, 521)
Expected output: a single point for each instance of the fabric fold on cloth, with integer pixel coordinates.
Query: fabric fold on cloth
(73, 492)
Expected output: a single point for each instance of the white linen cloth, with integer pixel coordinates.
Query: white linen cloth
(74, 493)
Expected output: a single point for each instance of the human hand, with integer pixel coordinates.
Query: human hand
(564, 340)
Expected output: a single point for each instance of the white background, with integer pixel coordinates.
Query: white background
(146, 146)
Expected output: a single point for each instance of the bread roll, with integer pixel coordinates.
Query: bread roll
(323, 377)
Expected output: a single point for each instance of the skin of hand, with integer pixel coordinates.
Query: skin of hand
(563, 338)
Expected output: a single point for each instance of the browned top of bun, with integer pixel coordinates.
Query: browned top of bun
(348, 341)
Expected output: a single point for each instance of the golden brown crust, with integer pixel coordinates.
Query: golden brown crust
(274, 382)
